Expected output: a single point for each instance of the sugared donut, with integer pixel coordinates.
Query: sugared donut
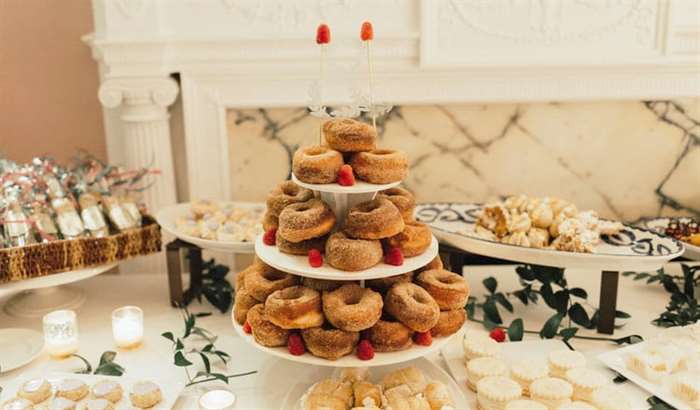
(449, 289)
(381, 166)
(322, 285)
(300, 248)
(389, 335)
(352, 254)
(285, 194)
(239, 282)
(264, 331)
(352, 308)
(413, 306)
(413, 240)
(329, 343)
(270, 221)
(384, 284)
(242, 304)
(403, 199)
(348, 135)
(436, 263)
(317, 164)
(449, 323)
(306, 220)
(261, 280)
(375, 219)
(297, 307)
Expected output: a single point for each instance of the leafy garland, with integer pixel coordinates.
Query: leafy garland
(216, 289)
(106, 366)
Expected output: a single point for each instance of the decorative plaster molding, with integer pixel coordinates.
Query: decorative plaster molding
(138, 91)
(130, 8)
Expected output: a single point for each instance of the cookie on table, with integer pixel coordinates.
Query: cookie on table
(108, 390)
(482, 367)
(62, 403)
(494, 392)
(36, 390)
(525, 404)
(610, 398)
(551, 392)
(576, 405)
(72, 389)
(17, 403)
(479, 344)
(560, 361)
(527, 371)
(98, 404)
(145, 394)
(585, 381)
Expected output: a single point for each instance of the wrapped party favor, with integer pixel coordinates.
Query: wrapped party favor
(69, 222)
(43, 222)
(128, 202)
(17, 226)
(117, 214)
(93, 219)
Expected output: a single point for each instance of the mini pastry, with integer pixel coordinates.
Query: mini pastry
(449, 289)
(262, 280)
(584, 381)
(352, 308)
(525, 404)
(17, 403)
(336, 390)
(264, 331)
(389, 335)
(576, 405)
(517, 239)
(496, 219)
(108, 389)
(408, 376)
(380, 166)
(401, 397)
(317, 164)
(519, 223)
(438, 396)
(375, 219)
(285, 194)
(402, 199)
(479, 344)
(62, 403)
(36, 390)
(560, 361)
(72, 389)
(494, 392)
(687, 388)
(350, 254)
(538, 238)
(551, 392)
(348, 135)
(542, 216)
(306, 220)
(516, 203)
(482, 367)
(649, 365)
(203, 207)
(241, 305)
(413, 240)
(527, 371)
(328, 342)
(354, 374)
(367, 394)
(296, 307)
(412, 306)
(99, 404)
(145, 394)
(610, 398)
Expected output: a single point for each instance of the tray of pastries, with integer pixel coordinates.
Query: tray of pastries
(683, 228)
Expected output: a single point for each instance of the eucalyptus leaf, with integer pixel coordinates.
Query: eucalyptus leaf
(491, 312)
(579, 292)
(490, 283)
(516, 330)
(551, 326)
(180, 360)
(579, 316)
(503, 301)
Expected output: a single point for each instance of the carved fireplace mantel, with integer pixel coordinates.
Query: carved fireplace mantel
(260, 53)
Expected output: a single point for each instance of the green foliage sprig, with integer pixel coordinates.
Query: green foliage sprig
(215, 287)
(106, 366)
(182, 355)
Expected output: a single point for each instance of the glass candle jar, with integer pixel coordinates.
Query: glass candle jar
(127, 326)
(61, 333)
(217, 400)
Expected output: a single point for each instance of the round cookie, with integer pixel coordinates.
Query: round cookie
(36, 390)
(107, 389)
(72, 389)
(145, 394)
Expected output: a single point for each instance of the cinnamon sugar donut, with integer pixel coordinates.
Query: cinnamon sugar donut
(449, 289)
(436, 263)
(242, 304)
(306, 220)
(375, 219)
(317, 164)
(389, 335)
(413, 240)
(450, 322)
(402, 199)
(352, 308)
(380, 166)
(322, 284)
(264, 331)
(384, 284)
(413, 306)
(284, 194)
(348, 135)
(297, 307)
(270, 221)
(300, 248)
(263, 279)
(352, 254)
(239, 281)
(328, 342)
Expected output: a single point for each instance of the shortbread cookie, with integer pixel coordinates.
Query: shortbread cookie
(525, 404)
(585, 381)
(576, 405)
(562, 360)
(650, 366)
(145, 394)
(687, 389)
(36, 390)
(98, 404)
(438, 396)
(17, 403)
(479, 344)
(610, 398)
(482, 367)
(551, 392)
(409, 376)
(72, 389)
(494, 392)
(527, 371)
(62, 403)
(107, 389)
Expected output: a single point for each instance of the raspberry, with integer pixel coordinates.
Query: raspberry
(423, 338)
(394, 257)
(366, 32)
(498, 335)
(270, 237)
(247, 328)
(345, 176)
(315, 258)
(323, 34)
(295, 344)
(365, 351)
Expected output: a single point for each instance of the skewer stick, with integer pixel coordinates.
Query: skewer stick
(323, 37)
(367, 35)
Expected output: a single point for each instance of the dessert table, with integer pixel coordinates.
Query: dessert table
(263, 390)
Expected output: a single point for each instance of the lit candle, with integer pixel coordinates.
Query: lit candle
(127, 326)
(217, 400)
(61, 333)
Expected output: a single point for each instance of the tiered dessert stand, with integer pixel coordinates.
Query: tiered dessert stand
(341, 199)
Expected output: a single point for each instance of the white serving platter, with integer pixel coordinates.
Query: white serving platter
(19, 347)
(634, 249)
(616, 360)
(360, 187)
(166, 218)
(380, 359)
(299, 265)
(170, 388)
(55, 279)
(453, 354)
(432, 372)
(659, 225)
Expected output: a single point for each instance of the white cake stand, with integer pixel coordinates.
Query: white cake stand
(39, 296)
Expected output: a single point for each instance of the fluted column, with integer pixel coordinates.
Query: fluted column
(144, 111)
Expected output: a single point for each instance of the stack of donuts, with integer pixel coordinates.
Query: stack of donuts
(301, 222)
(330, 318)
(353, 143)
